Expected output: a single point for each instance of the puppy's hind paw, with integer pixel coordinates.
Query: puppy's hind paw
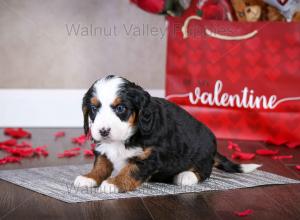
(186, 178)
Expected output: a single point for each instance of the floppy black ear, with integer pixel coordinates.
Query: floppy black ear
(146, 120)
(85, 120)
(146, 112)
(85, 110)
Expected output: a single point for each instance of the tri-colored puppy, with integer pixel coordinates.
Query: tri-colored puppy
(143, 138)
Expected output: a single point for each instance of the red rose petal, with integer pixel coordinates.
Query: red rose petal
(266, 152)
(10, 159)
(21, 152)
(80, 140)
(297, 167)
(75, 149)
(17, 133)
(282, 157)
(233, 146)
(10, 142)
(26, 152)
(88, 153)
(242, 156)
(243, 213)
(5, 148)
(59, 134)
(41, 151)
(24, 144)
(70, 153)
(293, 144)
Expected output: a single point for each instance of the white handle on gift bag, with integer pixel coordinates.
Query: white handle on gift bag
(210, 33)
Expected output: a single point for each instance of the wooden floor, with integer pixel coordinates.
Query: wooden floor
(269, 202)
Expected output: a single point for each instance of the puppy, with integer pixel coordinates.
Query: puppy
(141, 138)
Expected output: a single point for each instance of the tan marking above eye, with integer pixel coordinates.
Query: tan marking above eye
(117, 101)
(95, 101)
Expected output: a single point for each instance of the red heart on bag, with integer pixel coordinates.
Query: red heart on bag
(292, 67)
(178, 61)
(213, 43)
(194, 69)
(194, 56)
(233, 76)
(273, 74)
(213, 56)
(233, 62)
(292, 53)
(178, 47)
(273, 60)
(253, 71)
(213, 69)
(291, 39)
(253, 44)
(252, 58)
(194, 42)
(273, 45)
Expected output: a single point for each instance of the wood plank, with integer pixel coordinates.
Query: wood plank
(269, 202)
(183, 206)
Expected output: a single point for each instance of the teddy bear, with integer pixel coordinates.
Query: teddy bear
(255, 10)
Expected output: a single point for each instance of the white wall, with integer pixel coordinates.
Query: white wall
(44, 108)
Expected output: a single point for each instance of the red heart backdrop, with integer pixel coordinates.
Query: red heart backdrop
(241, 79)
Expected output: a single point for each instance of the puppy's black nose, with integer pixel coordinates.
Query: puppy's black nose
(104, 132)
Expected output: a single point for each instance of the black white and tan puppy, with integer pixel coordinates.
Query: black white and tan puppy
(141, 138)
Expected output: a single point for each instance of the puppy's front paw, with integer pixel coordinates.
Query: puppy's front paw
(82, 181)
(107, 187)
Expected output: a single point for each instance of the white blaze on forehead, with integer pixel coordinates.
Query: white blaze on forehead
(106, 89)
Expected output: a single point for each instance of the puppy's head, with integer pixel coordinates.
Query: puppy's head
(114, 109)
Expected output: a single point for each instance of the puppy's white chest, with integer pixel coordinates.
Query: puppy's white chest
(118, 154)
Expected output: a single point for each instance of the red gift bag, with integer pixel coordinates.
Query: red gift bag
(241, 79)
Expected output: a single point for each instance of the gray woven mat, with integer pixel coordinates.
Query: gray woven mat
(57, 182)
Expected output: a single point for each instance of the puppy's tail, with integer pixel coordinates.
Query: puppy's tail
(223, 163)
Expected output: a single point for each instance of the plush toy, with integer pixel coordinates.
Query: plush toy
(289, 8)
(215, 9)
(255, 10)
(164, 7)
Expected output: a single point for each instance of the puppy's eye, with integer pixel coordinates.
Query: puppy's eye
(120, 108)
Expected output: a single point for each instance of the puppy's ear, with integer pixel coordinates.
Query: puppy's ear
(146, 112)
(85, 110)
(146, 120)
(86, 126)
